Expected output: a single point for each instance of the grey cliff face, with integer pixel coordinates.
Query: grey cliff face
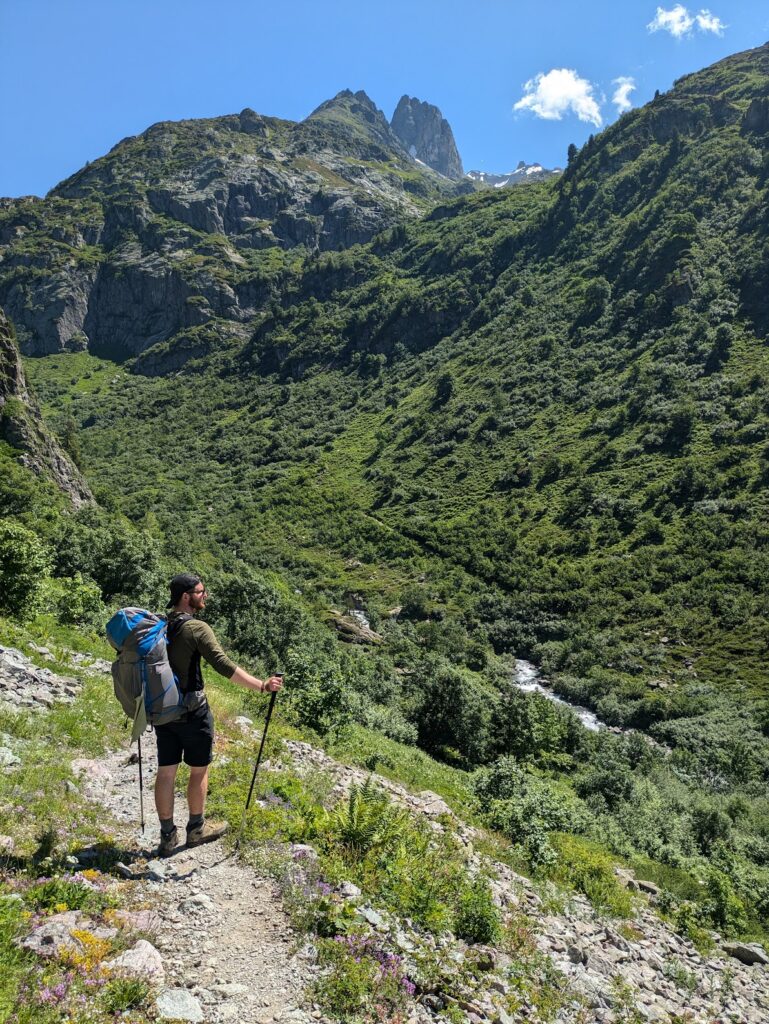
(170, 231)
(21, 425)
(427, 136)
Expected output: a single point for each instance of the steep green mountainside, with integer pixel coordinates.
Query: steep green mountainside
(178, 232)
(531, 423)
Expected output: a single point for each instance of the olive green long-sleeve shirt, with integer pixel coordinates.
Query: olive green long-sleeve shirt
(195, 640)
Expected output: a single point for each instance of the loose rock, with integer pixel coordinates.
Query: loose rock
(179, 1004)
(143, 961)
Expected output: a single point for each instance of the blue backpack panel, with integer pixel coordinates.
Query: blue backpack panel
(141, 673)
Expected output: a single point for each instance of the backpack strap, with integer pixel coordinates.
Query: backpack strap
(194, 674)
(173, 627)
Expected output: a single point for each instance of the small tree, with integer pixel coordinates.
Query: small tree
(24, 564)
(70, 442)
(444, 388)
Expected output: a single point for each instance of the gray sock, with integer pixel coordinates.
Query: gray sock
(167, 826)
(195, 820)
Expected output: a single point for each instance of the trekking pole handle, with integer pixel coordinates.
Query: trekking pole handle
(276, 675)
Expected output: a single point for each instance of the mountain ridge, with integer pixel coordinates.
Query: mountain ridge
(192, 219)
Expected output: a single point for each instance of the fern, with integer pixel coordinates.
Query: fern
(366, 821)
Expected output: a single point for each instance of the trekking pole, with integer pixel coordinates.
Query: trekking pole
(256, 766)
(141, 784)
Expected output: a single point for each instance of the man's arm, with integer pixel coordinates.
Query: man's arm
(211, 650)
(242, 678)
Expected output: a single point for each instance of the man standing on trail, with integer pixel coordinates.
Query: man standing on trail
(192, 737)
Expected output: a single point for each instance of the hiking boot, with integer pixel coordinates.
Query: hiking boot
(206, 832)
(168, 842)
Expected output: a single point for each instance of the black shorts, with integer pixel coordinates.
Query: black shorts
(191, 739)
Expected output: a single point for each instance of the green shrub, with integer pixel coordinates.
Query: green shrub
(24, 565)
(613, 781)
(121, 994)
(318, 697)
(75, 600)
(688, 921)
(722, 905)
(523, 806)
(108, 549)
(590, 870)
(476, 918)
(710, 824)
(388, 721)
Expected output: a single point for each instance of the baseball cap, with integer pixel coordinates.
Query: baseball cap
(180, 585)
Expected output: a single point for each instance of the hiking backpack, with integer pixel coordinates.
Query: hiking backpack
(141, 673)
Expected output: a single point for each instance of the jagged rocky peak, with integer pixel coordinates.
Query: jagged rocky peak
(356, 108)
(21, 425)
(427, 135)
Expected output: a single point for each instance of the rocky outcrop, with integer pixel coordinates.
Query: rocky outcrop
(12, 382)
(353, 631)
(24, 685)
(22, 427)
(427, 136)
(64, 933)
(756, 119)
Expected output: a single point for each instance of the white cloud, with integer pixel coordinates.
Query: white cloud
(559, 92)
(679, 21)
(707, 22)
(621, 98)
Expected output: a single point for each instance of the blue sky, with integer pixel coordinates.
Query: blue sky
(517, 79)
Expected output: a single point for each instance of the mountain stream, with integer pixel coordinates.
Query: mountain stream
(526, 678)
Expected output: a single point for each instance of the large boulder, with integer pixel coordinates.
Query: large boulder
(746, 953)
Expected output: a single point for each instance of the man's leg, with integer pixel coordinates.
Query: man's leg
(164, 791)
(197, 788)
(164, 803)
(198, 829)
(197, 754)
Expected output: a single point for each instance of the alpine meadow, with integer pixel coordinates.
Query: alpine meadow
(419, 434)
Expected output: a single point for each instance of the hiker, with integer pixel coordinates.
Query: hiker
(192, 737)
